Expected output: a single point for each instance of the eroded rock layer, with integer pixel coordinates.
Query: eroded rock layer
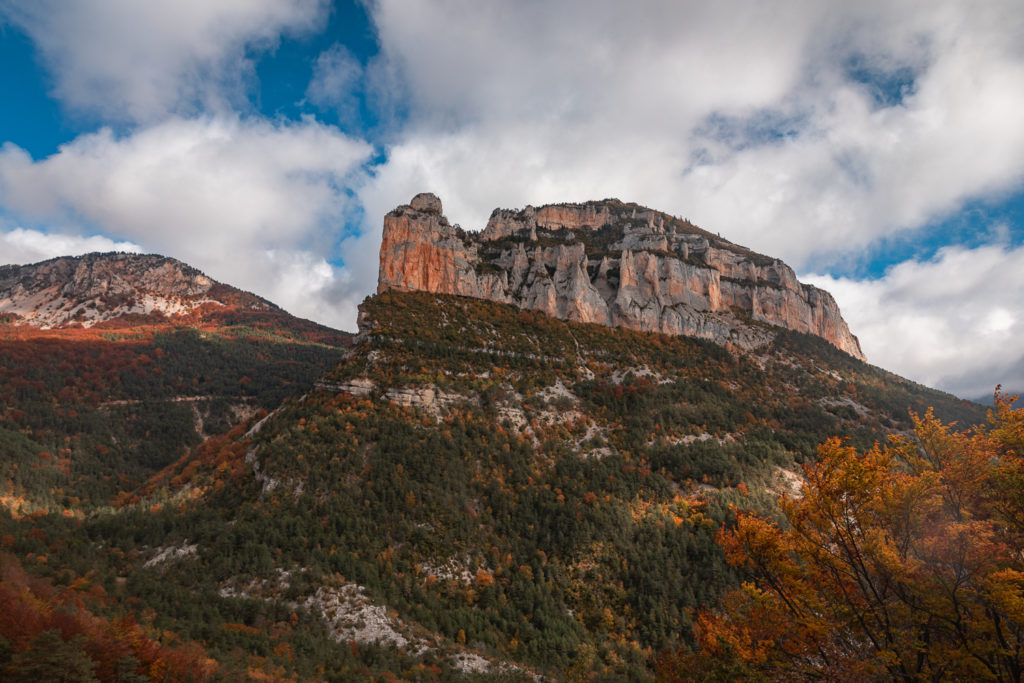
(94, 288)
(610, 263)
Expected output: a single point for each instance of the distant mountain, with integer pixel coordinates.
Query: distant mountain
(989, 399)
(611, 263)
(95, 288)
(113, 365)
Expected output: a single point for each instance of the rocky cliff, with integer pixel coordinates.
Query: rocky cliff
(85, 290)
(611, 263)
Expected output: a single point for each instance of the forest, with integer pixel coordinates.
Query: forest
(900, 563)
(554, 499)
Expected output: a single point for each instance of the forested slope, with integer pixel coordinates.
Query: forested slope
(475, 488)
(88, 413)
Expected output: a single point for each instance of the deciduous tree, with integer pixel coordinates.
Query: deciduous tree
(903, 562)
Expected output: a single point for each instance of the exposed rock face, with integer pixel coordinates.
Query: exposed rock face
(96, 287)
(610, 263)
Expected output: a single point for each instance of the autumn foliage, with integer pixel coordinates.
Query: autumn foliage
(50, 633)
(902, 563)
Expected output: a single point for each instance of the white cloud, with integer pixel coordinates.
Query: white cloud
(741, 116)
(805, 130)
(303, 283)
(137, 61)
(21, 245)
(953, 322)
(857, 172)
(634, 63)
(337, 76)
(247, 201)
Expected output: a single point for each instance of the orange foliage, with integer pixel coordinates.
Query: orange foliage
(30, 606)
(902, 562)
(484, 577)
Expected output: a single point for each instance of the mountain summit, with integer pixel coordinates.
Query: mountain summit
(608, 262)
(86, 290)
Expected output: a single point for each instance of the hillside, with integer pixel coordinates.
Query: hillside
(476, 488)
(113, 365)
(96, 288)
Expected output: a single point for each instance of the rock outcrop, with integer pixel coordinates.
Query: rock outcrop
(610, 263)
(85, 290)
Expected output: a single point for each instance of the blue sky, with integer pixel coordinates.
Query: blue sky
(877, 149)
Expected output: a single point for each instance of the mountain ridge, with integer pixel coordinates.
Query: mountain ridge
(98, 287)
(608, 262)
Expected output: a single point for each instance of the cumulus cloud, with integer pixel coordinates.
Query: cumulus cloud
(132, 61)
(856, 171)
(245, 200)
(803, 129)
(337, 77)
(21, 245)
(533, 102)
(646, 62)
(952, 322)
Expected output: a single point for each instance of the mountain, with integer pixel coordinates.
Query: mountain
(96, 288)
(497, 486)
(113, 365)
(611, 263)
(474, 489)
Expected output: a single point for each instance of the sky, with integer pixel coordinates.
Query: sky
(877, 147)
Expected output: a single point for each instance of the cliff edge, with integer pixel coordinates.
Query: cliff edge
(611, 263)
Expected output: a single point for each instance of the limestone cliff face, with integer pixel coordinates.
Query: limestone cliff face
(610, 263)
(85, 290)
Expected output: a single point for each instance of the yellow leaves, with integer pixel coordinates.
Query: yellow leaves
(753, 541)
(1006, 589)
(157, 670)
(910, 550)
(765, 626)
(16, 505)
(1007, 425)
(384, 557)
(607, 619)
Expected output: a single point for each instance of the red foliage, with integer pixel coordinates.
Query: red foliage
(30, 606)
